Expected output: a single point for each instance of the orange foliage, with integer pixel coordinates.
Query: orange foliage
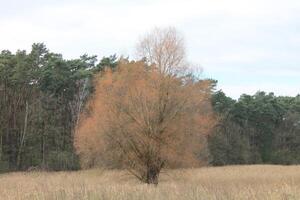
(143, 120)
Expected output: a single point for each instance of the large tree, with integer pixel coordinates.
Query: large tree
(144, 121)
(145, 116)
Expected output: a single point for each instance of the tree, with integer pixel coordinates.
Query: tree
(229, 142)
(164, 48)
(107, 62)
(287, 136)
(149, 114)
(145, 121)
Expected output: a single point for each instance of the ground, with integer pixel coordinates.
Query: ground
(231, 182)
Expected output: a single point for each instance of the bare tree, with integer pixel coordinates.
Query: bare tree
(165, 48)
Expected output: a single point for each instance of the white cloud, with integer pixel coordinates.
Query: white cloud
(256, 36)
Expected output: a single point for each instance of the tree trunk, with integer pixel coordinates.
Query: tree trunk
(23, 137)
(152, 175)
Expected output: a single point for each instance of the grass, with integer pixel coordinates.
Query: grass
(231, 182)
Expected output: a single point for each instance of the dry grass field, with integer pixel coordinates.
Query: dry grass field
(232, 182)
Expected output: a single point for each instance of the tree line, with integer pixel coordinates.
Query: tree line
(48, 104)
(41, 96)
(256, 129)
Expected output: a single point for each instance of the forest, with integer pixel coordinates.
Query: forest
(42, 96)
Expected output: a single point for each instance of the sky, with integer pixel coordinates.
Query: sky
(246, 45)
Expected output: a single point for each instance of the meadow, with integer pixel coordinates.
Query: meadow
(208, 183)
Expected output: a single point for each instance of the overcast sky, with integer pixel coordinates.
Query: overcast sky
(245, 45)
